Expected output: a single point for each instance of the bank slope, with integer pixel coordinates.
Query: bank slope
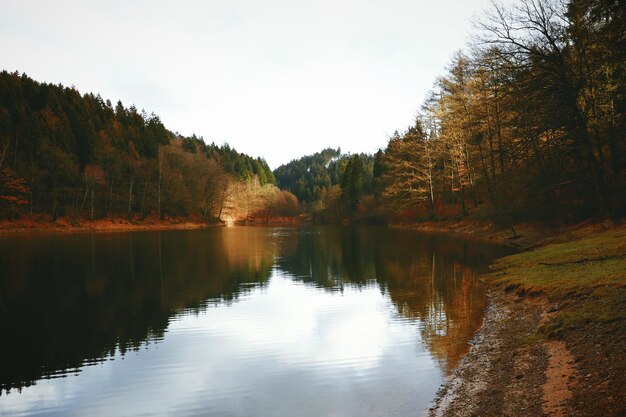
(554, 339)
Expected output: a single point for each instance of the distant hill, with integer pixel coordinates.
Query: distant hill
(309, 176)
(72, 154)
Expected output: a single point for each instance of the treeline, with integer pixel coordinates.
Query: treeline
(67, 154)
(331, 185)
(530, 121)
(529, 124)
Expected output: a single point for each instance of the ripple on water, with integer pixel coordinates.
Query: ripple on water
(236, 322)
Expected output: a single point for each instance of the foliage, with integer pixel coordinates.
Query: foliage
(328, 183)
(307, 176)
(352, 183)
(285, 204)
(13, 191)
(64, 153)
(408, 166)
(531, 123)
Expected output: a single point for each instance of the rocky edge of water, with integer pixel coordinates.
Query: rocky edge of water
(509, 371)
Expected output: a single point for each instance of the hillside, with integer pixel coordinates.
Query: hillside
(73, 155)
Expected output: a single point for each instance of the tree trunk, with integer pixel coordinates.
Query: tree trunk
(110, 208)
(32, 182)
(219, 216)
(130, 197)
(92, 198)
(487, 179)
(159, 191)
(15, 151)
(82, 206)
(54, 210)
(4, 153)
(143, 199)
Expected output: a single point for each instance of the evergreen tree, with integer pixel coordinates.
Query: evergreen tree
(352, 183)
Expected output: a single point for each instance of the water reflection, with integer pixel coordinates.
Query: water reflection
(316, 312)
(430, 278)
(70, 299)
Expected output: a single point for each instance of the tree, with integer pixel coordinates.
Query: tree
(13, 193)
(285, 204)
(553, 73)
(408, 166)
(94, 176)
(79, 155)
(352, 183)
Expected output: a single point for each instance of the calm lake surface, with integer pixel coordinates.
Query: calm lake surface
(257, 322)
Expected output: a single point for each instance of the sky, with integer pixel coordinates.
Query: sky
(277, 79)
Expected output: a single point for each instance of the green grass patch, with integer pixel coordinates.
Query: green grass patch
(560, 268)
(586, 278)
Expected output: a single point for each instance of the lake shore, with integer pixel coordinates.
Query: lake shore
(521, 236)
(553, 340)
(43, 224)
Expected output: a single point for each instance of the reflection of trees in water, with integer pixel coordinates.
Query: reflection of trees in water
(327, 257)
(66, 301)
(70, 300)
(430, 279)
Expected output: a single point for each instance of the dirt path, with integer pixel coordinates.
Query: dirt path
(560, 378)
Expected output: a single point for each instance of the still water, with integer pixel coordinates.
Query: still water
(235, 321)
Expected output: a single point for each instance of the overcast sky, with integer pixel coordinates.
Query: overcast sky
(273, 78)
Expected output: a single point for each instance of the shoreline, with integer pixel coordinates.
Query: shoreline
(553, 339)
(526, 236)
(546, 347)
(64, 225)
(523, 237)
(501, 374)
(43, 224)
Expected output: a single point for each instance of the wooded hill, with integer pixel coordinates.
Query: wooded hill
(67, 154)
(329, 183)
(529, 124)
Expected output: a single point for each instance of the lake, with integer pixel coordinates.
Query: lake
(241, 321)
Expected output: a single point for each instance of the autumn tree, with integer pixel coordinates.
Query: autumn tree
(79, 155)
(284, 204)
(13, 193)
(408, 167)
(551, 56)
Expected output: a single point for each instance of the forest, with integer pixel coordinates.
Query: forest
(531, 121)
(330, 186)
(78, 156)
(527, 124)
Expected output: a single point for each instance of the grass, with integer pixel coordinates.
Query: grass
(584, 278)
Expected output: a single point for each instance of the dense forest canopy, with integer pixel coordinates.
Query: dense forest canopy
(328, 183)
(527, 124)
(305, 177)
(530, 122)
(68, 154)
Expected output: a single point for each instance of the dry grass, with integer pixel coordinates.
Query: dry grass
(585, 278)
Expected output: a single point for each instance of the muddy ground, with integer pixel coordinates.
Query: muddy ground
(511, 371)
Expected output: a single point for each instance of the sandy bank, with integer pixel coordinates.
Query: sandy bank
(554, 337)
